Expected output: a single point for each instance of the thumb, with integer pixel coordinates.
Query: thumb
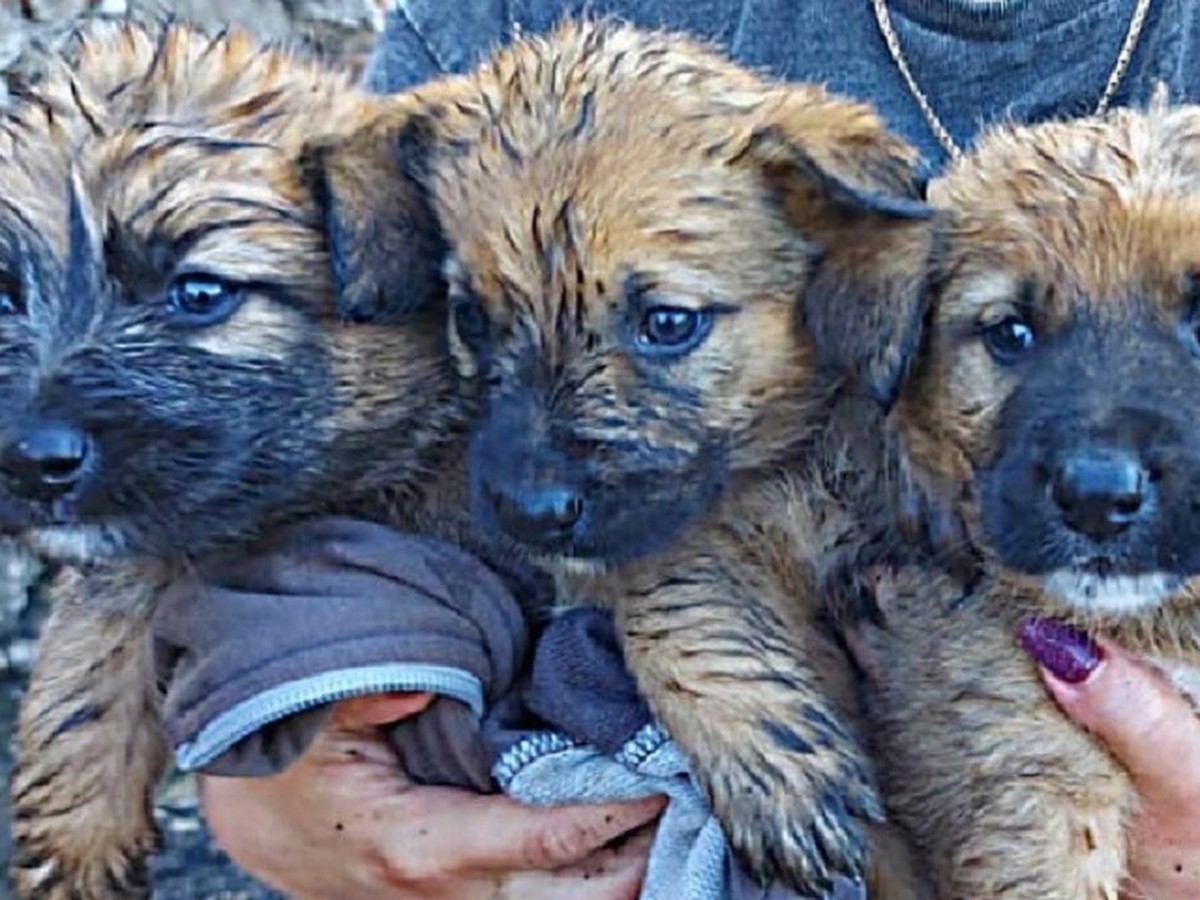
(496, 833)
(372, 710)
(352, 733)
(1147, 724)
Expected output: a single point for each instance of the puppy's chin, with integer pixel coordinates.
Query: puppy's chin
(79, 544)
(618, 527)
(574, 563)
(1090, 591)
(579, 561)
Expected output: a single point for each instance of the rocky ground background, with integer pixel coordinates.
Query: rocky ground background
(190, 867)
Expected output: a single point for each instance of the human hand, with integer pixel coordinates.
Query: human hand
(1147, 725)
(344, 823)
(1154, 732)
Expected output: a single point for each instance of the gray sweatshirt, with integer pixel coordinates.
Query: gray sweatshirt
(976, 62)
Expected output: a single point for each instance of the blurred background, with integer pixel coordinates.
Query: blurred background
(190, 866)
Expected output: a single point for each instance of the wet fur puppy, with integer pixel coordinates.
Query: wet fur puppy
(1052, 422)
(658, 263)
(174, 376)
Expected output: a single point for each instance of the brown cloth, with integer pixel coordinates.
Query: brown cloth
(337, 598)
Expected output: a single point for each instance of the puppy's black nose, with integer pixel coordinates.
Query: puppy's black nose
(46, 461)
(1100, 492)
(541, 514)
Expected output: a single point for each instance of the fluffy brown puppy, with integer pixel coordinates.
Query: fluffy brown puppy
(174, 376)
(654, 256)
(1053, 416)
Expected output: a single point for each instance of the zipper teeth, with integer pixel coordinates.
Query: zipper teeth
(528, 749)
(648, 739)
(645, 742)
(225, 738)
(228, 729)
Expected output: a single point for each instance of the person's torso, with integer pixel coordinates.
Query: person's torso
(976, 63)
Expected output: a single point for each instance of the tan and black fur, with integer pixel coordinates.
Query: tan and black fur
(601, 176)
(173, 241)
(1051, 427)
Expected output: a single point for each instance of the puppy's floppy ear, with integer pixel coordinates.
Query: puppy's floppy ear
(850, 188)
(385, 243)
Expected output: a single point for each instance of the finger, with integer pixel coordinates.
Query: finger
(612, 873)
(353, 733)
(311, 837)
(1146, 724)
(1163, 870)
(553, 837)
(861, 640)
(881, 580)
(372, 710)
(495, 833)
(244, 828)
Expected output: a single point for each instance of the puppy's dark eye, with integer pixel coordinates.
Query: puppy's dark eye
(1190, 327)
(200, 300)
(1191, 331)
(1009, 339)
(12, 303)
(673, 330)
(470, 321)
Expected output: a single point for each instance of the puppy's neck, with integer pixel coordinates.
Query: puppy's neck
(1168, 629)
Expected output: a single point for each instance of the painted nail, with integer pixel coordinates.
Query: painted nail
(1068, 653)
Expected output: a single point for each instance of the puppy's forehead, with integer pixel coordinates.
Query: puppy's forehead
(1106, 211)
(35, 157)
(596, 217)
(566, 161)
(121, 73)
(227, 202)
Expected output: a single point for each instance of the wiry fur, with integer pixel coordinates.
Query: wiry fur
(152, 154)
(1088, 231)
(584, 177)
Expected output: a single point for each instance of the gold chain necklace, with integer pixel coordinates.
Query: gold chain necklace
(884, 19)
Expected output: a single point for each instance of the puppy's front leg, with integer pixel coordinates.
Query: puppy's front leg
(733, 665)
(1007, 797)
(89, 743)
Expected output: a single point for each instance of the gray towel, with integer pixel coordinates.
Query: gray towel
(600, 743)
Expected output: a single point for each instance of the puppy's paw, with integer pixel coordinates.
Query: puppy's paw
(107, 873)
(795, 802)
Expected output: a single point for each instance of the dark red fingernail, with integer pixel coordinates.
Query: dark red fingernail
(1068, 653)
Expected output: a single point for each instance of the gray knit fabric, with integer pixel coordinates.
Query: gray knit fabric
(977, 62)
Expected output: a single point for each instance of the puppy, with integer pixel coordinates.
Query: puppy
(174, 376)
(1050, 421)
(661, 265)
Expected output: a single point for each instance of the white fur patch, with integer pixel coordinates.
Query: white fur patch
(43, 873)
(578, 566)
(75, 543)
(1118, 593)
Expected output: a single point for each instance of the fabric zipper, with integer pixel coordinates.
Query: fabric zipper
(291, 697)
(525, 752)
